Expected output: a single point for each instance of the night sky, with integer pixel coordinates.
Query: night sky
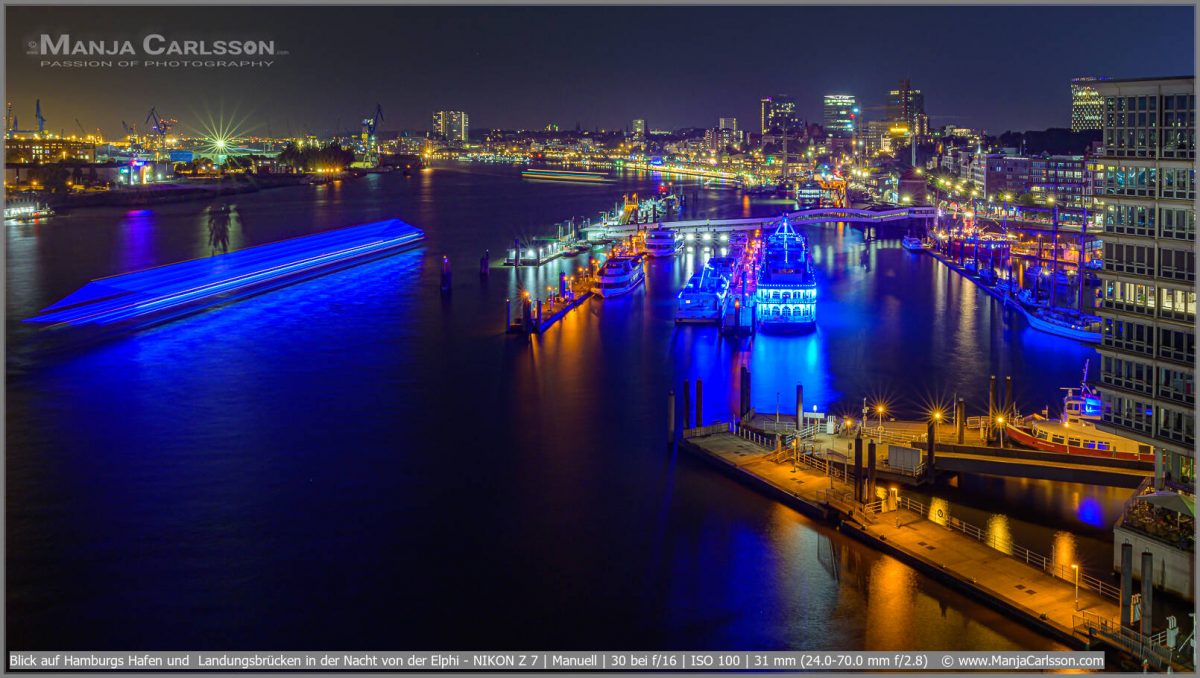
(522, 67)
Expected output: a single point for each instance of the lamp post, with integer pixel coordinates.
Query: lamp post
(879, 409)
(937, 425)
(1000, 425)
(1076, 568)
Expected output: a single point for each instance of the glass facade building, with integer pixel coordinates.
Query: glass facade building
(1087, 106)
(1147, 194)
(840, 115)
(451, 125)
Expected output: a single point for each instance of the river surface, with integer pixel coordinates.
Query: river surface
(359, 461)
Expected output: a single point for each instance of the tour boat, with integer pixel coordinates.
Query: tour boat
(619, 275)
(566, 175)
(662, 242)
(723, 266)
(912, 243)
(26, 211)
(1075, 432)
(786, 294)
(702, 300)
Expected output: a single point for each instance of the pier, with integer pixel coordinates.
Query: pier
(822, 215)
(1059, 599)
(538, 315)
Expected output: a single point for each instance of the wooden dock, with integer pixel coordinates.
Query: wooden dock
(1023, 584)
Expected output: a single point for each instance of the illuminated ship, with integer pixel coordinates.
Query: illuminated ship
(157, 294)
(662, 242)
(619, 275)
(786, 296)
(702, 300)
(566, 175)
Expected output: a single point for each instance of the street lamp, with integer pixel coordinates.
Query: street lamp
(937, 424)
(1076, 568)
(1000, 425)
(879, 409)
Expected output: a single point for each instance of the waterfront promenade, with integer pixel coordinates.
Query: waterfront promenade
(926, 538)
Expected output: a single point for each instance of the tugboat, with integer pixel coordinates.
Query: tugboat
(786, 295)
(1074, 431)
(619, 275)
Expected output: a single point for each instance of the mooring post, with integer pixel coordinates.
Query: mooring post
(687, 404)
(858, 464)
(992, 401)
(930, 437)
(483, 263)
(1127, 585)
(870, 471)
(1008, 397)
(445, 274)
(671, 416)
(562, 285)
(799, 408)
(960, 419)
(539, 315)
(1147, 593)
(699, 403)
(507, 313)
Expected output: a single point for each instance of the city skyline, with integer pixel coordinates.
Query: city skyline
(404, 59)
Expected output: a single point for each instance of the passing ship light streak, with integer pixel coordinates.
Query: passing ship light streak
(187, 284)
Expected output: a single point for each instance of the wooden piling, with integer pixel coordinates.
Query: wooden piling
(699, 403)
(858, 464)
(1127, 585)
(960, 420)
(799, 408)
(930, 445)
(870, 489)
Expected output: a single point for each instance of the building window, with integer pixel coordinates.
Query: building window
(1176, 385)
(1177, 304)
(1177, 264)
(1128, 335)
(1177, 345)
(1128, 412)
(1177, 426)
(1179, 224)
(1130, 375)
(1129, 297)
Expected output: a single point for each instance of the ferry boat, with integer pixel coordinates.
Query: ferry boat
(786, 295)
(912, 244)
(1075, 432)
(662, 242)
(566, 175)
(25, 212)
(723, 266)
(702, 300)
(619, 275)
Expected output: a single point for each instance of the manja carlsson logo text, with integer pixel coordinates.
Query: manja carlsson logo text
(150, 45)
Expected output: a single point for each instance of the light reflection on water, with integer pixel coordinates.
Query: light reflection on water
(303, 464)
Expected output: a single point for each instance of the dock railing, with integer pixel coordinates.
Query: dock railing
(1060, 571)
(1153, 649)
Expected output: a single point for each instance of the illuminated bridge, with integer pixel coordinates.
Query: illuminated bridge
(820, 215)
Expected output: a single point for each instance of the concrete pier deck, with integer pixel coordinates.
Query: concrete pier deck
(934, 543)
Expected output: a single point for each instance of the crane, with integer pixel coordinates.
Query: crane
(160, 127)
(80, 126)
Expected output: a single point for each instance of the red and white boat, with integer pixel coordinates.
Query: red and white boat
(1075, 432)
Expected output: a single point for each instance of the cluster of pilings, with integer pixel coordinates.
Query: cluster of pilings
(1136, 614)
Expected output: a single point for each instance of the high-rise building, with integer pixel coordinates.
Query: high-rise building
(907, 105)
(778, 112)
(727, 123)
(639, 128)
(1087, 107)
(841, 115)
(451, 125)
(1148, 304)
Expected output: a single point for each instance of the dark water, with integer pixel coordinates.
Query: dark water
(360, 462)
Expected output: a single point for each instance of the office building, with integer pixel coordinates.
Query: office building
(727, 123)
(1147, 371)
(639, 128)
(840, 115)
(451, 126)
(1086, 104)
(907, 105)
(778, 112)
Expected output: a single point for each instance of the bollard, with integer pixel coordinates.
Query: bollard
(699, 403)
(1127, 585)
(539, 315)
(507, 313)
(742, 388)
(671, 416)
(687, 404)
(799, 408)
(1147, 593)
(562, 285)
(483, 263)
(445, 274)
(858, 462)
